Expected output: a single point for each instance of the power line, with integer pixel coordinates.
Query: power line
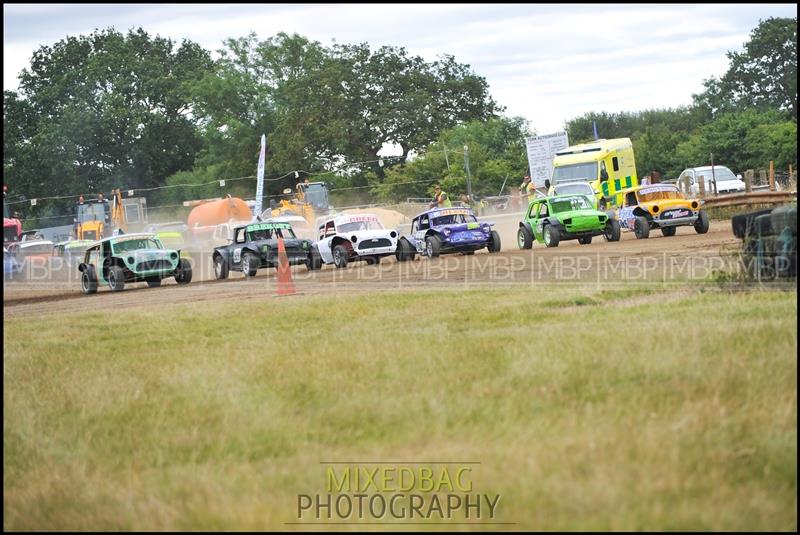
(162, 206)
(190, 185)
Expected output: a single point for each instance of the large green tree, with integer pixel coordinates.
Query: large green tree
(354, 101)
(763, 75)
(101, 111)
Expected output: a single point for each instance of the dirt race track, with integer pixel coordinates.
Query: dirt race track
(686, 256)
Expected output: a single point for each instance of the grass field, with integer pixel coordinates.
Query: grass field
(587, 408)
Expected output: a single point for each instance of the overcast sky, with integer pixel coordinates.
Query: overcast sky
(547, 63)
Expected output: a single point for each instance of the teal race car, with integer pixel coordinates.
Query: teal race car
(129, 258)
(551, 220)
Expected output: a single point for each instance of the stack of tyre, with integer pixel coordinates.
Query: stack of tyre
(769, 242)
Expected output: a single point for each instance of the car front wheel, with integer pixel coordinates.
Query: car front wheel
(551, 236)
(249, 264)
(494, 242)
(641, 228)
(432, 246)
(702, 224)
(524, 238)
(612, 231)
(220, 267)
(116, 279)
(183, 275)
(340, 256)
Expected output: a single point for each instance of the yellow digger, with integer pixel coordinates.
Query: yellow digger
(97, 218)
(310, 201)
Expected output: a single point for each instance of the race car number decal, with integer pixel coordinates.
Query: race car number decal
(626, 217)
(237, 254)
(452, 211)
(672, 214)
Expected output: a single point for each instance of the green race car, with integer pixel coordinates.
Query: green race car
(130, 258)
(550, 220)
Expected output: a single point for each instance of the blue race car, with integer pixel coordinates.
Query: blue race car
(446, 230)
(11, 268)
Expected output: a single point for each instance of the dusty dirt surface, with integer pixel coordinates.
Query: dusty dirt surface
(686, 256)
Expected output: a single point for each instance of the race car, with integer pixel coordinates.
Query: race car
(447, 230)
(352, 237)
(660, 206)
(551, 220)
(72, 251)
(127, 258)
(11, 268)
(255, 246)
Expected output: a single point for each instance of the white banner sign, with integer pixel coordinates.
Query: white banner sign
(541, 150)
(260, 175)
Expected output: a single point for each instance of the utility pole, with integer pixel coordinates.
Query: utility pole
(504, 185)
(713, 175)
(469, 175)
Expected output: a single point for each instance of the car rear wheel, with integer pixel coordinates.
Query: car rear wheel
(612, 231)
(524, 238)
(153, 282)
(116, 279)
(494, 242)
(669, 231)
(89, 281)
(183, 275)
(551, 236)
(340, 256)
(701, 225)
(314, 261)
(373, 260)
(641, 228)
(432, 246)
(220, 267)
(586, 240)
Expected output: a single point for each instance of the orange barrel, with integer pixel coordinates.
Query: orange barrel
(217, 212)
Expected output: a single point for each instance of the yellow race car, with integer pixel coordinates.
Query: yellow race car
(659, 206)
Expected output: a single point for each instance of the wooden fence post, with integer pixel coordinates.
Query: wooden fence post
(701, 183)
(762, 177)
(771, 175)
(748, 180)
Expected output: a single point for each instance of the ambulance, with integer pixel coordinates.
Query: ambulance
(606, 164)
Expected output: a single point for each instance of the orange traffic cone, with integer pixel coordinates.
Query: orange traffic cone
(285, 283)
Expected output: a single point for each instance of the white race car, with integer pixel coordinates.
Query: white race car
(350, 237)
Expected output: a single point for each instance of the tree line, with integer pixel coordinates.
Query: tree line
(132, 110)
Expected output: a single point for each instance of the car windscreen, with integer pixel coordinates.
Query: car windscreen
(317, 195)
(581, 188)
(577, 171)
(271, 234)
(371, 224)
(132, 244)
(567, 204)
(721, 174)
(657, 194)
(453, 219)
(91, 212)
(39, 248)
